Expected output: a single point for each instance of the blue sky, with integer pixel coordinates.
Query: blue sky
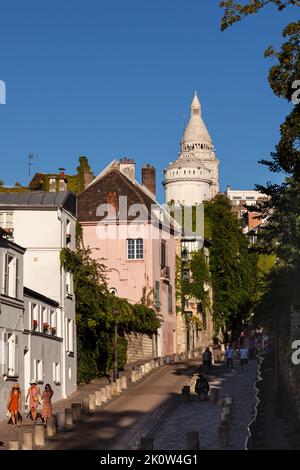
(114, 78)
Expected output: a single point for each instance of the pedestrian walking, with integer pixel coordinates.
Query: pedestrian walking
(14, 405)
(244, 356)
(229, 355)
(33, 398)
(46, 404)
(207, 359)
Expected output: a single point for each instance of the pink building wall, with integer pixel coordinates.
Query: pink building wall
(129, 277)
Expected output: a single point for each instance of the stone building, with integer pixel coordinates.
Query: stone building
(195, 326)
(193, 177)
(124, 225)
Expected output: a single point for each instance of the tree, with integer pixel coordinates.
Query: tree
(233, 267)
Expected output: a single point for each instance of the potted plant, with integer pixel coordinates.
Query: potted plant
(35, 325)
(53, 330)
(45, 328)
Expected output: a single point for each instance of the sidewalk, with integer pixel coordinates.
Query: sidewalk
(8, 433)
(204, 417)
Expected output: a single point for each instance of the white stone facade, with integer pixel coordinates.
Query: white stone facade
(44, 223)
(193, 177)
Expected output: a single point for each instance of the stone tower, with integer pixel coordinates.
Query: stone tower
(193, 177)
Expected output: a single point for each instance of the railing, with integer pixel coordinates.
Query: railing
(165, 273)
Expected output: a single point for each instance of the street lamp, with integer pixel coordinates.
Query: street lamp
(116, 374)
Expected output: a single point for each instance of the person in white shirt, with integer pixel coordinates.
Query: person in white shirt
(244, 356)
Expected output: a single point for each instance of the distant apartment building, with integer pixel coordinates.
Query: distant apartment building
(44, 223)
(135, 243)
(252, 220)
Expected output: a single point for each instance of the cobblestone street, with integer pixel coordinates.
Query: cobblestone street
(155, 406)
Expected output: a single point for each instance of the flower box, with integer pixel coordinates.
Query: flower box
(45, 328)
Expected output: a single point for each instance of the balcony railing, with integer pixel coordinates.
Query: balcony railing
(165, 274)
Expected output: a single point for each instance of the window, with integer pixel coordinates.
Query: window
(68, 283)
(53, 323)
(68, 233)
(69, 335)
(11, 355)
(135, 248)
(38, 368)
(11, 281)
(6, 220)
(163, 254)
(157, 295)
(56, 373)
(196, 111)
(170, 299)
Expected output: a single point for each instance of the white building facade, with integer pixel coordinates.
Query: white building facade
(45, 223)
(11, 319)
(193, 177)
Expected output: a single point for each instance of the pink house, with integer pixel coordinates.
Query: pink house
(124, 224)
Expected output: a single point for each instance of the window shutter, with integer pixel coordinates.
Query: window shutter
(157, 295)
(16, 365)
(170, 299)
(18, 286)
(5, 274)
(5, 362)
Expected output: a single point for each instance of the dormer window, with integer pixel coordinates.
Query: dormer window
(196, 111)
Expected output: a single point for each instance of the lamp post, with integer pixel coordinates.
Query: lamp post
(116, 354)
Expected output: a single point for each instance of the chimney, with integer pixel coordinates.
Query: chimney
(62, 183)
(149, 178)
(127, 167)
(52, 184)
(88, 177)
(112, 199)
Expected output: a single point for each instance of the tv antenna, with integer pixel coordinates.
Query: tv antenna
(30, 162)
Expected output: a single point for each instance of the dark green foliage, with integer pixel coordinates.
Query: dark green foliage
(233, 267)
(97, 313)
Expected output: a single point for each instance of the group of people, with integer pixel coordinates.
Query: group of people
(33, 399)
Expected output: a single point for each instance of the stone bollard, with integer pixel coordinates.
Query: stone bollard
(214, 395)
(229, 401)
(123, 382)
(223, 435)
(161, 361)
(108, 392)
(118, 385)
(61, 421)
(27, 441)
(133, 376)
(39, 435)
(143, 370)
(86, 406)
(156, 363)
(51, 426)
(76, 411)
(114, 389)
(192, 442)
(69, 418)
(13, 445)
(147, 443)
(186, 393)
(92, 403)
(98, 397)
(104, 395)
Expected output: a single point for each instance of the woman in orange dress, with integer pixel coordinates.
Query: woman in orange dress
(47, 405)
(14, 404)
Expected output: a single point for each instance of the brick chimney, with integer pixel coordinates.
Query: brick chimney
(127, 166)
(112, 199)
(149, 178)
(88, 177)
